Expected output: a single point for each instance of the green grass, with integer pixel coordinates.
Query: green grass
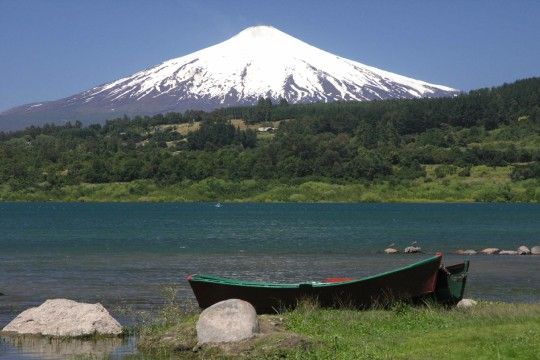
(484, 184)
(487, 331)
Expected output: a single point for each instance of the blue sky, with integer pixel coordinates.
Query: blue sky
(52, 49)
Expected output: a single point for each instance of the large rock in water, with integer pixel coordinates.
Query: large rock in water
(535, 250)
(227, 321)
(62, 317)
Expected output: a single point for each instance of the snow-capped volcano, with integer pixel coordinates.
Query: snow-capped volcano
(259, 61)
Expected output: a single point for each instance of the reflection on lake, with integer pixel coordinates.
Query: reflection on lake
(35, 347)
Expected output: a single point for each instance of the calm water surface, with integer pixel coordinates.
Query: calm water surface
(124, 255)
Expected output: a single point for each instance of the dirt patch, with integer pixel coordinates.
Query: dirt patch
(180, 342)
(180, 337)
(277, 344)
(186, 128)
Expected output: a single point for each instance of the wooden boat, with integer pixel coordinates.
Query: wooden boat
(411, 282)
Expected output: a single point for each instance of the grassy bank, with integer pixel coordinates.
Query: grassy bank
(481, 184)
(487, 331)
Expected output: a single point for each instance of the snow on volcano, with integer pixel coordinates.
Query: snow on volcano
(263, 61)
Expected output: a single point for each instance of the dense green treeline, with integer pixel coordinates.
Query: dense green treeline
(377, 146)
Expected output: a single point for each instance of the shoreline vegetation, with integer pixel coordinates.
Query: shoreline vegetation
(489, 330)
(484, 330)
(483, 184)
(483, 146)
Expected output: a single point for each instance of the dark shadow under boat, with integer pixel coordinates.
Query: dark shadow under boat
(423, 279)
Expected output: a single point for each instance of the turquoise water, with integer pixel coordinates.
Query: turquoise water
(124, 255)
(75, 228)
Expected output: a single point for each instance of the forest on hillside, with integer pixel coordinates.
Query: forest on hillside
(484, 145)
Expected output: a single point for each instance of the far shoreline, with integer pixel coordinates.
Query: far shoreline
(234, 202)
(429, 190)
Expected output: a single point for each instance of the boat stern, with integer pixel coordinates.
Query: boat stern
(451, 283)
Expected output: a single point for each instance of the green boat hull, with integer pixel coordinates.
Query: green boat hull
(418, 280)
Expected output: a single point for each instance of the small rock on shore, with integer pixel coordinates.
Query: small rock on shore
(466, 303)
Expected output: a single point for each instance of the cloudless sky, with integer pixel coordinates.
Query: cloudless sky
(52, 49)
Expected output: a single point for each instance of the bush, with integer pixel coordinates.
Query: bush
(465, 172)
(444, 170)
(529, 171)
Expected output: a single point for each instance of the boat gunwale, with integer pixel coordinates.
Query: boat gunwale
(234, 282)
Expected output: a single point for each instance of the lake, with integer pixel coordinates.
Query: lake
(125, 254)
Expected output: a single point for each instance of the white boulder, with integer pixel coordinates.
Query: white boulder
(508, 252)
(490, 251)
(466, 303)
(535, 250)
(412, 249)
(391, 251)
(466, 252)
(227, 321)
(63, 317)
(523, 250)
